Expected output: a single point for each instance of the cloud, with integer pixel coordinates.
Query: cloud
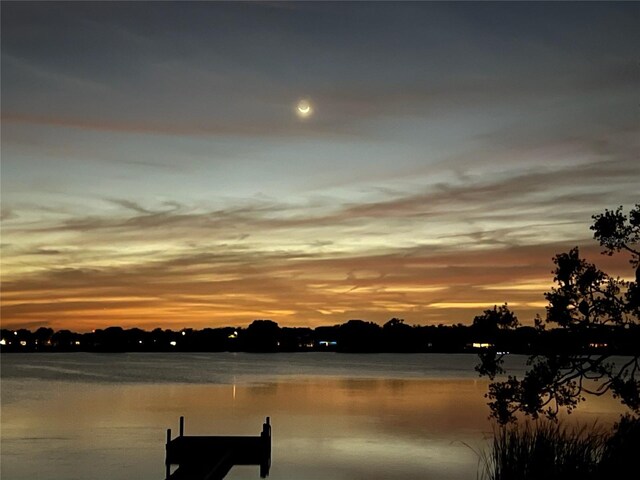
(228, 287)
(285, 127)
(548, 195)
(7, 214)
(483, 214)
(130, 205)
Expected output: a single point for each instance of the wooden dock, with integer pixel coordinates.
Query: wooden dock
(211, 457)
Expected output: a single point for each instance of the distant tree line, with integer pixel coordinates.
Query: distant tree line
(494, 330)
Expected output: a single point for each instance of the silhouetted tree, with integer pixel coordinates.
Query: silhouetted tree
(261, 336)
(323, 337)
(585, 300)
(498, 318)
(111, 339)
(359, 336)
(489, 326)
(214, 339)
(43, 335)
(399, 337)
(64, 339)
(295, 339)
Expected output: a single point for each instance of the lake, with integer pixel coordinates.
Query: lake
(337, 416)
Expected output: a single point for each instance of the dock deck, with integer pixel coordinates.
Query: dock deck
(211, 457)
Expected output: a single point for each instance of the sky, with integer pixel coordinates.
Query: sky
(155, 172)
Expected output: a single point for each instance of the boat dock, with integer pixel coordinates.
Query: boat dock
(211, 457)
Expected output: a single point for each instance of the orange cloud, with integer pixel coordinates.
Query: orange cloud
(219, 289)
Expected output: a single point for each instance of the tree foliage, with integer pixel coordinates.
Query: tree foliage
(584, 299)
(498, 318)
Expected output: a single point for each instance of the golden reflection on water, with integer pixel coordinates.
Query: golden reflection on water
(322, 427)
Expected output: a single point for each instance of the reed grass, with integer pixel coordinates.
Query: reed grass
(545, 450)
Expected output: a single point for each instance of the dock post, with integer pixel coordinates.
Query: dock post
(265, 435)
(181, 426)
(166, 463)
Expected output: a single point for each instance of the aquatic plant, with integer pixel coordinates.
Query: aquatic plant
(550, 450)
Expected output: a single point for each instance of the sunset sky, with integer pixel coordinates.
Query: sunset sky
(155, 172)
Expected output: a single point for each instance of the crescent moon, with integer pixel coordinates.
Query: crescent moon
(304, 109)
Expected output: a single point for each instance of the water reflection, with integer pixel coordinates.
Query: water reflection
(323, 427)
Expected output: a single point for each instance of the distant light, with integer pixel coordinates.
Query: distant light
(23, 343)
(173, 343)
(15, 333)
(482, 345)
(3, 342)
(77, 342)
(140, 342)
(184, 333)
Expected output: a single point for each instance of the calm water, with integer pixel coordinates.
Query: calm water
(104, 416)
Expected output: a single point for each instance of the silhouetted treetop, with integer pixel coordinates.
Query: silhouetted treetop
(616, 231)
(497, 318)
